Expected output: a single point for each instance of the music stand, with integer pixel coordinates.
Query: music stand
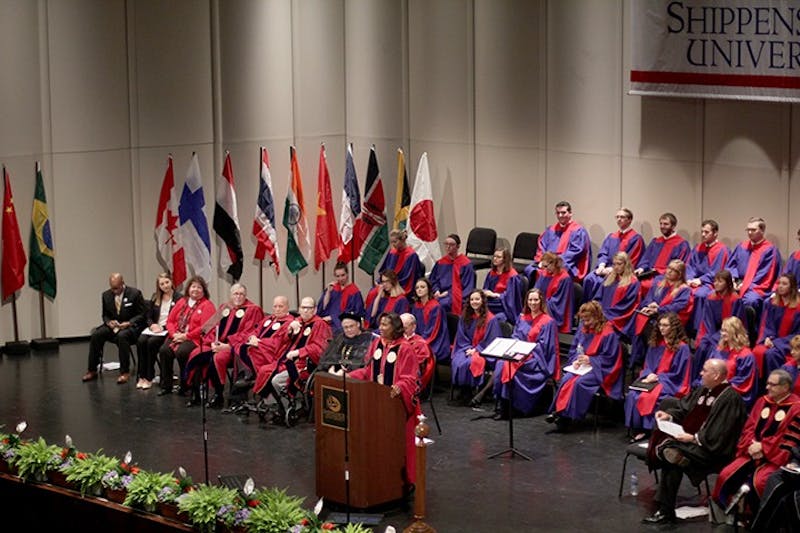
(511, 449)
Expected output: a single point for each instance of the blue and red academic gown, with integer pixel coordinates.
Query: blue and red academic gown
(659, 253)
(619, 303)
(669, 301)
(387, 304)
(432, 326)
(775, 426)
(406, 264)
(345, 299)
(792, 265)
(558, 293)
(509, 285)
(530, 375)
(575, 393)
(629, 242)
(704, 263)
(571, 243)
(715, 309)
(467, 370)
(673, 368)
(394, 363)
(758, 266)
(457, 278)
(742, 372)
(791, 368)
(780, 323)
(235, 327)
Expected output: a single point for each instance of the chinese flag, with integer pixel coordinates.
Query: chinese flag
(13, 253)
(327, 234)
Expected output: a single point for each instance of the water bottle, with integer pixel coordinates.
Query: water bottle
(579, 349)
(634, 485)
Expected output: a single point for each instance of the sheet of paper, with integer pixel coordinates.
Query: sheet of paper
(498, 347)
(148, 331)
(579, 371)
(670, 428)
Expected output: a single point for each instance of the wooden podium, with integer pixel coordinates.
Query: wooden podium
(376, 441)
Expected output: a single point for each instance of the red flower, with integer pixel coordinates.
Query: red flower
(304, 522)
(5, 440)
(253, 503)
(64, 453)
(81, 455)
(328, 526)
(135, 470)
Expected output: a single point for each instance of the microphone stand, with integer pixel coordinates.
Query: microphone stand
(346, 440)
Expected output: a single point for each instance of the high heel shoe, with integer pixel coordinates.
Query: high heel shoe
(215, 402)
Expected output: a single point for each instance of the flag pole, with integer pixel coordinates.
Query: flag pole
(297, 289)
(261, 283)
(17, 347)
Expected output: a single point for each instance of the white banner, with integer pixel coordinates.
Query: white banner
(740, 49)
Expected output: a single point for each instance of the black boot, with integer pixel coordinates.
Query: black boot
(194, 399)
(501, 409)
(216, 401)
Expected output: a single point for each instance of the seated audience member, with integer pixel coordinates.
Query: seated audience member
(386, 297)
(780, 504)
(754, 264)
(661, 251)
(503, 287)
(403, 260)
(718, 306)
(669, 294)
(734, 349)
(619, 293)
(667, 366)
(452, 277)
(348, 348)
(431, 320)
(338, 298)
(625, 239)
(556, 285)
(769, 433)
(238, 319)
(390, 361)
(705, 260)
(792, 265)
(294, 355)
(712, 416)
(122, 309)
(477, 328)
(155, 331)
(530, 375)
(420, 348)
(792, 366)
(568, 240)
(597, 348)
(185, 334)
(780, 321)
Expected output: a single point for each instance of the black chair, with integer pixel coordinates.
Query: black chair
(577, 300)
(481, 244)
(638, 451)
(525, 246)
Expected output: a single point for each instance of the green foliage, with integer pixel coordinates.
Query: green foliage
(204, 502)
(144, 488)
(275, 511)
(87, 470)
(35, 458)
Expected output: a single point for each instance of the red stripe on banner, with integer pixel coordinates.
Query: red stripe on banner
(730, 80)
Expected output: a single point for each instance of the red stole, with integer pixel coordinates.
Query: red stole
(785, 327)
(477, 363)
(510, 367)
(346, 291)
(646, 403)
(563, 242)
(756, 251)
(456, 288)
(502, 280)
(565, 393)
(665, 254)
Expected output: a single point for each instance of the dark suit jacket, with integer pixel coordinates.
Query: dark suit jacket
(153, 309)
(131, 310)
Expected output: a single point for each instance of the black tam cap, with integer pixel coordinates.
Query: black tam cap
(352, 316)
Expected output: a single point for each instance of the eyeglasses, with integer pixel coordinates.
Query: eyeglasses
(773, 384)
(306, 307)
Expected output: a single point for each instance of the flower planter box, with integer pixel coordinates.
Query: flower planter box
(115, 495)
(58, 478)
(170, 510)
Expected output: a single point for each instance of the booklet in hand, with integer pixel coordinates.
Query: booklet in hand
(507, 348)
(643, 386)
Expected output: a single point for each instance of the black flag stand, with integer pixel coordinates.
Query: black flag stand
(44, 343)
(17, 347)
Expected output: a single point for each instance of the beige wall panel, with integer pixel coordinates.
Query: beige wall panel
(441, 93)
(663, 128)
(652, 187)
(256, 69)
(20, 89)
(375, 76)
(590, 183)
(92, 238)
(88, 75)
(318, 67)
(748, 134)
(584, 76)
(172, 72)
(509, 73)
(732, 194)
(509, 195)
(794, 184)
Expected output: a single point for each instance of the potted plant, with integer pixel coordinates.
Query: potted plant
(9, 442)
(88, 472)
(204, 502)
(274, 511)
(35, 458)
(168, 496)
(145, 487)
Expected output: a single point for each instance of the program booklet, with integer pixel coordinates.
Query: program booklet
(507, 348)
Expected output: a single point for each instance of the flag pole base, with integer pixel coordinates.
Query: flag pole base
(16, 348)
(45, 345)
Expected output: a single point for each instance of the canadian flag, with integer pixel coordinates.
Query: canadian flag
(422, 234)
(168, 246)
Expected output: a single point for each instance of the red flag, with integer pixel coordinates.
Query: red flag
(326, 234)
(13, 253)
(169, 251)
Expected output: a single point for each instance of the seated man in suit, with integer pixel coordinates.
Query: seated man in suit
(123, 320)
(712, 417)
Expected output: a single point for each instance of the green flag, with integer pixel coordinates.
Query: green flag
(42, 264)
(373, 219)
(294, 220)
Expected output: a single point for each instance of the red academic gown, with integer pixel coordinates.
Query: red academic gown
(201, 313)
(267, 333)
(234, 328)
(403, 372)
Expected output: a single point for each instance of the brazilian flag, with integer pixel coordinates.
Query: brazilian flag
(42, 263)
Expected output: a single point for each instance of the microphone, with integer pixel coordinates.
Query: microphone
(744, 489)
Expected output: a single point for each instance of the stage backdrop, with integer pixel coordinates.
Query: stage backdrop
(744, 49)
